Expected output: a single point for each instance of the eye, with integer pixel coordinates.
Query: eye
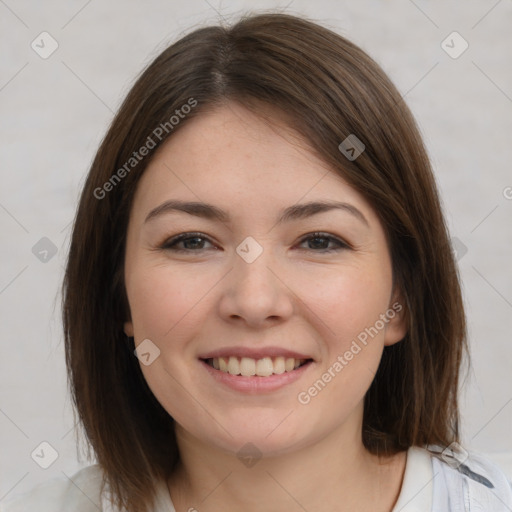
(192, 242)
(321, 241)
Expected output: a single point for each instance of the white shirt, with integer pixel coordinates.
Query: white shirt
(428, 486)
(417, 485)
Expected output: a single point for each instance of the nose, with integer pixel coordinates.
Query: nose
(256, 293)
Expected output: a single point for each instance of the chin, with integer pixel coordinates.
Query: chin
(256, 442)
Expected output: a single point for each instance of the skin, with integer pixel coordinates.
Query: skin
(294, 295)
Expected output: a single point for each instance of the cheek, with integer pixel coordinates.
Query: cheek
(166, 308)
(350, 301)
(161, 297)
(350, 307)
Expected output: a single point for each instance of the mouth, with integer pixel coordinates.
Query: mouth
(248, 367)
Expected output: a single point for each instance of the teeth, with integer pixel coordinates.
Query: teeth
(264, 367)
(289, 364)
(247, 367)
(223, 365)
(279, 365)
(233, 366)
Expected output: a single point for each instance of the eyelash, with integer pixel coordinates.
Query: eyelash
(170, 244)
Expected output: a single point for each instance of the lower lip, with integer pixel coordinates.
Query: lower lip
(255, 384)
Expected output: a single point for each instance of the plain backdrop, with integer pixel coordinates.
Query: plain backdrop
(55, 110)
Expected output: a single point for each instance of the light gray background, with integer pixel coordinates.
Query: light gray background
(55, 111)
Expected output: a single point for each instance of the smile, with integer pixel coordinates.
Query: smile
(249, 367)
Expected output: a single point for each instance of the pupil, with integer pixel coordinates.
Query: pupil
(189, 241)
(319, 246)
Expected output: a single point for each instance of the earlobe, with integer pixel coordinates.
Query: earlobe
(397, 325)
(128, 329)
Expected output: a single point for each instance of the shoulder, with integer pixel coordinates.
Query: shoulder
(79, 492)
(465, 478)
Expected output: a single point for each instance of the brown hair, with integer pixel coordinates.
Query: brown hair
(329, 88)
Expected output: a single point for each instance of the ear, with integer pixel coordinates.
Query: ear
(397, 325)
(128, 328)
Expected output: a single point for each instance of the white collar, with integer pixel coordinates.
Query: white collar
(417, 486)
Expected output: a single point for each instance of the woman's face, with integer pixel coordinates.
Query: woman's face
(261, 284)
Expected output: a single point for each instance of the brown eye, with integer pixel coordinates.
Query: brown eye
(319, 242)
(191, 242)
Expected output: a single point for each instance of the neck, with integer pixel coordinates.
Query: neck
(335, 473)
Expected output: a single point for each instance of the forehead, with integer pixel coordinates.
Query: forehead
(232, 156)
(232, 139)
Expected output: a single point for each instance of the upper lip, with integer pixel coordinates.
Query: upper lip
(253, 353)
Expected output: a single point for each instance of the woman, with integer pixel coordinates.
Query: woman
(220, 357)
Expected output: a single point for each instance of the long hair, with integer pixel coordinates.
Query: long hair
(329, 89)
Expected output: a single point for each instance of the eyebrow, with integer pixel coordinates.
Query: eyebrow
(294, 212)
